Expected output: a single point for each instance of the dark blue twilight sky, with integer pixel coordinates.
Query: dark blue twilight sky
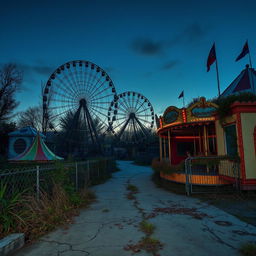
(155, 47)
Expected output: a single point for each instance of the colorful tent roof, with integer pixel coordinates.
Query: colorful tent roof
(27, 131)
(245, 82)
(38, 151)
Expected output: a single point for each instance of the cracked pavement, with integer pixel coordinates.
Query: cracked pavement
(112, 222)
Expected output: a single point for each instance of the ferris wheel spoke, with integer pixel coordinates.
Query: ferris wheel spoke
(86, 83)
(121, 114)
(66, 84)
(63, 101)
(100, 107)
(103, 97)
(58, 83)
(61, 95)
(91, 79)
(137, 102)
(98, 93)
(118, 125)
(143, 120)
(59, 114)
(121, 118)
(146, 115)
(122, 110)
(140, 106)
(107, 103)
(144, 110)
(99, 112)
(125, 103)
(96, 87)
(125, 107)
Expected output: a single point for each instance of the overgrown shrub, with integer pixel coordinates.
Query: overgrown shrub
(225, 102)
(166, 168)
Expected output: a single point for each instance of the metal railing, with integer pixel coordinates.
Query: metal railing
(210, 171)
(32, 180)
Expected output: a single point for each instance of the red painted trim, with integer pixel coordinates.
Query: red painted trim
(240, 145)
(227, 178)
(248, 182)
(254, 137)
(227, 124)
(245, 107)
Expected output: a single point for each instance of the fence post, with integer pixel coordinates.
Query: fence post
(88, 170)
(37, 182)
(76, 177)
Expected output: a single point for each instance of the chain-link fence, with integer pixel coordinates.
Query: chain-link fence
(33, 180)
(203, 173)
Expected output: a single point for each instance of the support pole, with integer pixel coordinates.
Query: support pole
(205, 141)
(160, 147)
(169, 147)
(37, 182)
(164, 149)
(218, 79)
(76, 177)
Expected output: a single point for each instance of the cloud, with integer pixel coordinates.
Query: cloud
(170, 64)
(42, 70)
(191, 33)
(147, 47)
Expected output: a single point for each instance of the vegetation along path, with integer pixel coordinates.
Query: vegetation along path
(133, 216)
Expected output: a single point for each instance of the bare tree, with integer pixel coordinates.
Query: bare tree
(33, 116)
(10, 81)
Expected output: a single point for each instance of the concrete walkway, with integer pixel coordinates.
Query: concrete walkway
(184, 225)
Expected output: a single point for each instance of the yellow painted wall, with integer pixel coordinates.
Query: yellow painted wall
(248, 123)
(221, 148)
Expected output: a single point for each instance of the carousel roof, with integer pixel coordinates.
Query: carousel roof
(245, 82)
(38, 151)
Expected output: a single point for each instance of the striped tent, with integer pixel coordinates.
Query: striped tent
(38, 151)
(245, 82)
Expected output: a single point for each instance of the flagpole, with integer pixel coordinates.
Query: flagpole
(218, 79)
(183, 99)
(250, 65)
(249, 55)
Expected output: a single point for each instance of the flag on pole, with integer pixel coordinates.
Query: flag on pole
(181, 95)
(211, 57)
(244, 51)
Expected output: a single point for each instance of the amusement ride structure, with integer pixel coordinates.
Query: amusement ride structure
(131, 117)
(80, 98)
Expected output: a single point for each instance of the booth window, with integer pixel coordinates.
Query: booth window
(231, 140)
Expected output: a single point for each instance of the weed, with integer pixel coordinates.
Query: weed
(147, 227)
(131, 196)
(148, 244)
(132, 188)
(248, 249)
(11, 212)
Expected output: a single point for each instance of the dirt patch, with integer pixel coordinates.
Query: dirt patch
(178, 210)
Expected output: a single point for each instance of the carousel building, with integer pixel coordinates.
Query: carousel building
(197, 132)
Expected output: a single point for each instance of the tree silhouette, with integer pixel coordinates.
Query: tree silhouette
(10, 82)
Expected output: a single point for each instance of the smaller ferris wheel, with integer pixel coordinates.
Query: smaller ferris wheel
(131, 117)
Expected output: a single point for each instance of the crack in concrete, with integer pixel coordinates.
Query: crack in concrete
(70, 247)
(216, 237)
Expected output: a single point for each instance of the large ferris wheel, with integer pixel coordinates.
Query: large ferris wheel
(78, 92)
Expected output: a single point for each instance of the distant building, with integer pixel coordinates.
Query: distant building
(21, 140)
